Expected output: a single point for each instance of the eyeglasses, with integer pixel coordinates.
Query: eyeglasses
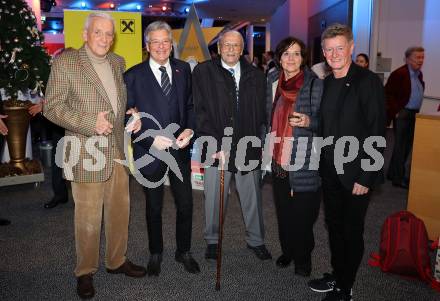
(231, 45)
(157, 43)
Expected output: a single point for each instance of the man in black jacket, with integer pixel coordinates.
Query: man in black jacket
(352, 108)
(229, 99)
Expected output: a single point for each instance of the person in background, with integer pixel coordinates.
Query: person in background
(404, 96)
(296, 92)
(362, 60)
(268, 62)
(256, 62)
(59, 184)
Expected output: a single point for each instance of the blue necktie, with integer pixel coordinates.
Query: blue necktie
(232, 71)
(165, 81)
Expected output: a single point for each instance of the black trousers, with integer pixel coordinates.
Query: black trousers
(59, 185)
(403, 126)
(182, 193)
(345, 217)
(296, 216)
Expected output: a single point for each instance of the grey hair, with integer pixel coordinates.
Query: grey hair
(412, 49)
(98, 15)
(158, 25)
(222, 35)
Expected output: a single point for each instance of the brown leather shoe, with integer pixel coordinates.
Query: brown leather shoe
(84, 287)
(129, 269)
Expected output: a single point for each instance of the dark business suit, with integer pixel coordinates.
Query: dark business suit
(59, 185)
(145, 93)
(355, 109)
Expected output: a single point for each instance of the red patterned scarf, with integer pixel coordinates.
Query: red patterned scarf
(285, 98)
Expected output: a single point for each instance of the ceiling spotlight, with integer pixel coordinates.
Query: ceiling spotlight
(164, 8)
(83, 4)
(186, 10)
(54, 3)
(150, 6)
(138, 7)
(112, 6)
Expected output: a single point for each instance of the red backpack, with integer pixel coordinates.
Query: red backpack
(404, 248)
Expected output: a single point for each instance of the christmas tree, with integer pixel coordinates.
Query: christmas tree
(24, 63)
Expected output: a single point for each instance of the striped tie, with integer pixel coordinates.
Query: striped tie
(165, 81)
(232, 71)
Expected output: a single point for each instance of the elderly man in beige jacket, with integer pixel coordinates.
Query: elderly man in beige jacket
(86, 95)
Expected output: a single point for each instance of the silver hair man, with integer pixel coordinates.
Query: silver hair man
(157, 25)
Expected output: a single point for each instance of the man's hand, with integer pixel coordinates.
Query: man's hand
(162, 142)
(221, 156)
(358, 189)
(184, 138)
(3, 127)
(36, 108)
(103, 127)
(136, 124)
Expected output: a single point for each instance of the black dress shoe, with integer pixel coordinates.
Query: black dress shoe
(261, 252)
(153, 267)
(189, 263)
(4, 222)
(129, 269)
(85, 287)
(54, 202)
(211, 252)
(283, 261)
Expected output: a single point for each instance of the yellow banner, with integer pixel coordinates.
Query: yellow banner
(128, 33)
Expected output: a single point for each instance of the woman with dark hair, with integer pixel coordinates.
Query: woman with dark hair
(362, 60)
(296, 93)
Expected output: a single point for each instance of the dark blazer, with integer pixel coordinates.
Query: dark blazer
(361, 114)
(145, 93)
(398, 91)
(215, 104)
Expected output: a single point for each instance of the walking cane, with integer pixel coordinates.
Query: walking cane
(220, 238)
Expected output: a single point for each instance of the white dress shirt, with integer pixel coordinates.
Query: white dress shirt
(157, 73)
(237, 72)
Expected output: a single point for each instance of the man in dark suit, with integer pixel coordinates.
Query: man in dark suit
(404, 96)
(352, 107)
(169, 101)
(59, 184)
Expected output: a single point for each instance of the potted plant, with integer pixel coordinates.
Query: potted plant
(24, 70)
